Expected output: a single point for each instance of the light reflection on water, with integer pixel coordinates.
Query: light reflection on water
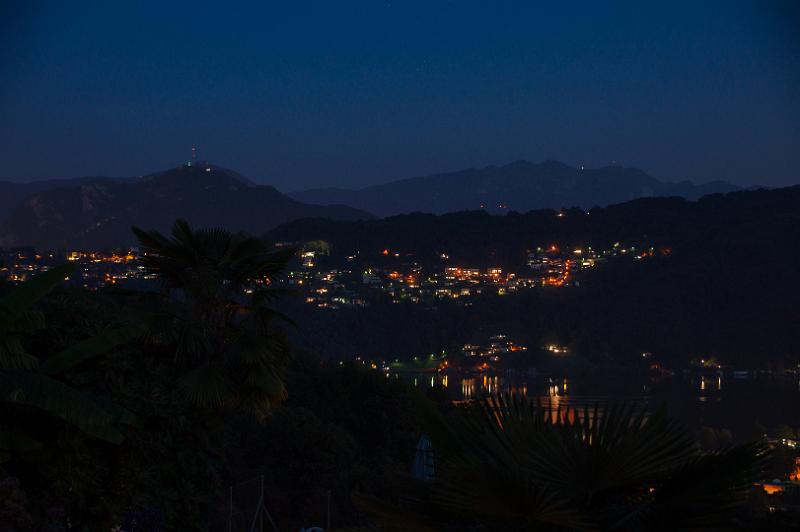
(482, 385)
(695, 400)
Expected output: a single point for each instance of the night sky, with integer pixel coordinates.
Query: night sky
(337, 93)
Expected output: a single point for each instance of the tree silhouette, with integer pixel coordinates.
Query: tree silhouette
(509, 463)
(227, 347)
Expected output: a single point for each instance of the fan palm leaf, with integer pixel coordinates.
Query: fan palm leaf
(207, 386)
(610, 466)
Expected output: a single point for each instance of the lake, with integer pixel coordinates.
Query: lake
(695, 400)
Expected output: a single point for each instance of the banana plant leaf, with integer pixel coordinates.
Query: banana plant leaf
(15, 441)
(90, 414)
(23, 297)
(90, 348)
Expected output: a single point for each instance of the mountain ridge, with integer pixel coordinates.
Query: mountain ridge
(98, 213)
(520, 185)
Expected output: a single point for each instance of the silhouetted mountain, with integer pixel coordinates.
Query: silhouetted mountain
(745, 217)
(96, 212)
(519, 186)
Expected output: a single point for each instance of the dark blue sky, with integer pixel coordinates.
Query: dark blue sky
(337, 93)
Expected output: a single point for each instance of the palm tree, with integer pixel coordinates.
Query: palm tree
(512, 464)
(30, 387)
(227, 348)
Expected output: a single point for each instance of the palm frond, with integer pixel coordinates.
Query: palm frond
(602, 467)
(226, 341)
(30, 321)
(706, 491)
(14, 356)
(206, 386)
(183, 234)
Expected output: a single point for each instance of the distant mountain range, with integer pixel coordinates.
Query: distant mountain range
(519, 186)
(99, 212)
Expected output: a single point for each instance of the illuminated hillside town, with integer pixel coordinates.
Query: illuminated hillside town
(394, 277)
(396, 274)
